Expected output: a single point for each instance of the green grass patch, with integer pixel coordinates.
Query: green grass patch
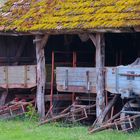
(25, 130)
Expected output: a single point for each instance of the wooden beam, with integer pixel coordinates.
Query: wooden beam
(52, 81)
(44, 40)
(99, 43)
(100, 60)
(41, 74)
(60, 97)
(93, 39)
(108, 107)
(72, 31)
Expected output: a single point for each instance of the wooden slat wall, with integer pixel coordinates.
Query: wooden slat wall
(13, 49)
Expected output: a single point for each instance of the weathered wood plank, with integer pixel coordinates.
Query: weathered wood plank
(77, 79)
(76, 89)
(18, 76)
(41, 74)
(59, 97)
(100, 60)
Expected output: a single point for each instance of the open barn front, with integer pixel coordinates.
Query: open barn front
(122, 48)
(70, 80)
(70, 61)
(17, 73)
(76, 61)
(68, 51)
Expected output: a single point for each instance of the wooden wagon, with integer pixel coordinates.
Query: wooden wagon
(17, 76)
(124, 80)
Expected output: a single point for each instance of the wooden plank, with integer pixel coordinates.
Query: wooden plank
(18, 76)
(41, 74)
(31, 75)
(52, 81)
(77, 79)
(76, 89)
(2, 76)
(110, 79)
(5, 60)
(63, 97)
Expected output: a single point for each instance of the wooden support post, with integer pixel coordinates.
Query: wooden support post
(99, 43)
(52, 83)
(74, 63)
(41, 74)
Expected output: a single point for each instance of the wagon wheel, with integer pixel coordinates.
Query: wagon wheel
(130, 106)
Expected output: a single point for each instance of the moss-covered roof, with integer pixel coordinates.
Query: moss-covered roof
(33, 15)
(2, 2)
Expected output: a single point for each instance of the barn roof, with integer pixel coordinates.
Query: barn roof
(46, 15)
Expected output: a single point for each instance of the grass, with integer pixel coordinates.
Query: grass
(25, 130)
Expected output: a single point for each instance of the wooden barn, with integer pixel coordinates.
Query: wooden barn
(41, 40)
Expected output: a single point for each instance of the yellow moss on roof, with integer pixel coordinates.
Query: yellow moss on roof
(32, 15)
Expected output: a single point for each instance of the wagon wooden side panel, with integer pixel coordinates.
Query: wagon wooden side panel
(124, 80)
(79, 80)
(18, 76)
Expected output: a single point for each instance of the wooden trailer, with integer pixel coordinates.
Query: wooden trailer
(122, 80)
(13, 78)
(18, 76)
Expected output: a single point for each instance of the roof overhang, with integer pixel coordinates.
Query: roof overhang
(71, 31)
